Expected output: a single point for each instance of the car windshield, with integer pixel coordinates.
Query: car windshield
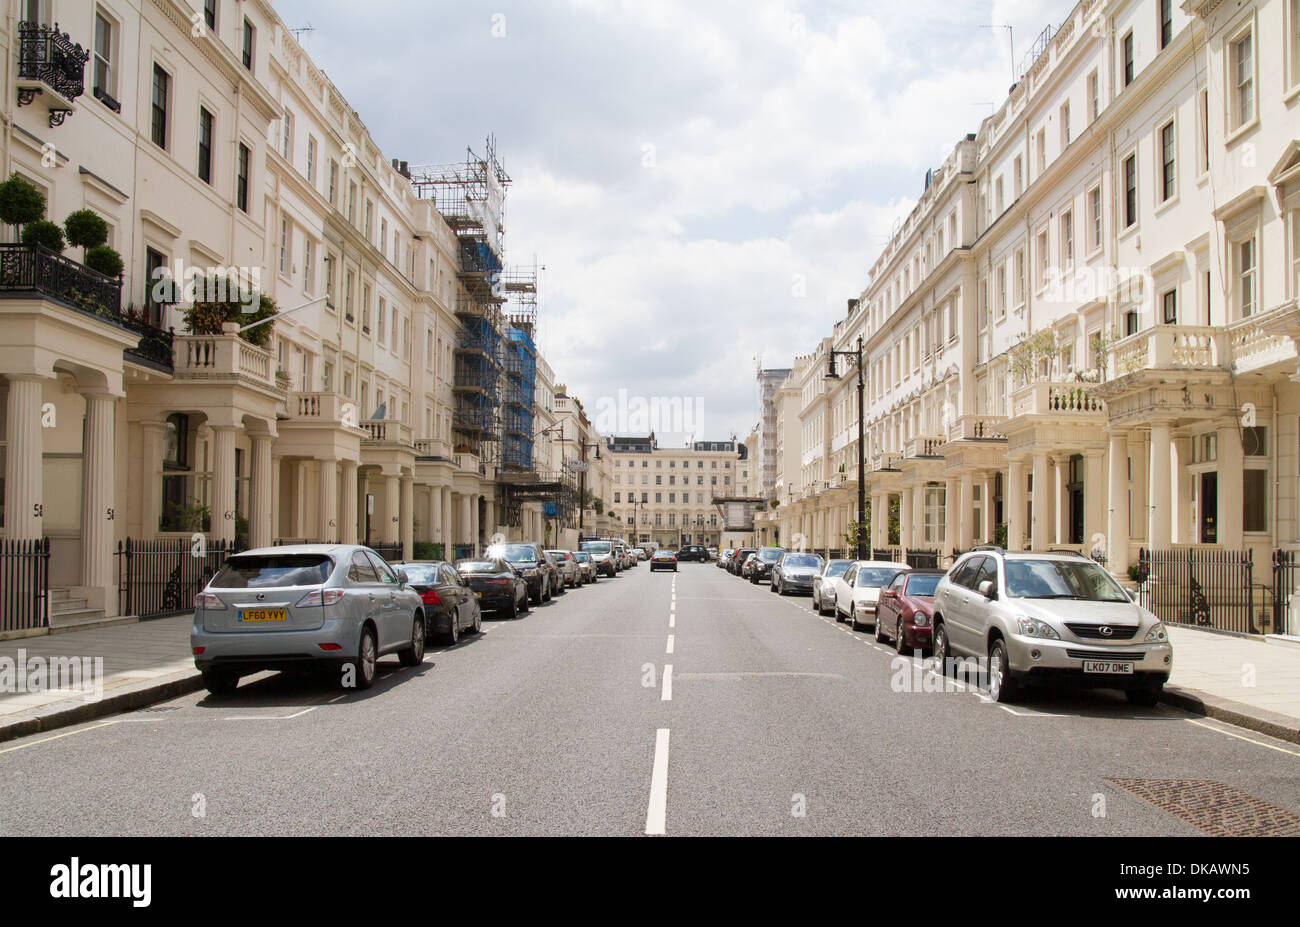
(595, 547)
(262, 570)
(802, 560)
(557, 554)
(582, 556)
(837, 568)
(517, 553)
(923, 585)
(770, 556)
(474, 566)
(421, 573)
(875, 576)
(1061, 579)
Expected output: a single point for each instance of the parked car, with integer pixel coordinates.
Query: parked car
(713, 553)
(450, 605)
(795, 572)
(747, 567)
(498, 585)
(663, 559)
(763, 563)
(857, 591)
(275, 608)
(693, 552)
(1048, 618)
(603, 554)
(823, 585)
(736, 564)
(905, 609)
(587, 565)
(532, 563)
(570, 575)
(723, 557)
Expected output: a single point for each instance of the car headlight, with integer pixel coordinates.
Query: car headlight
(530, 572)
(1032, 627)
(1157, 634)
(920, 619)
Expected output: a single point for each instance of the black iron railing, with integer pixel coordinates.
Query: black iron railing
(24, 584)
(1203, 587)
(390, 552)
(1286, 575)
(923, 559)
(47, 55)
(34, 269)
(160, 578)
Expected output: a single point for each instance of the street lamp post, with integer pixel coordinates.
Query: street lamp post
(582, 480)
(831, 374)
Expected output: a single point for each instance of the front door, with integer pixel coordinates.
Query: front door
(1209, 508)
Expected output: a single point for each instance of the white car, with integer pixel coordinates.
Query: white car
(858, 590)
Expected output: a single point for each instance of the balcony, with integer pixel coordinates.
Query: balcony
(387, 431)
(1169, 347)
(223, 357)
(433, 447)
(1075, 401)
(324, 408)
(924, 446)
(979, 427)
(1263, 341)
(34, 272)
(51, 64)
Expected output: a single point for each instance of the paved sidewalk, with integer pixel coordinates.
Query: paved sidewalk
(1249, 682)
(143, 663)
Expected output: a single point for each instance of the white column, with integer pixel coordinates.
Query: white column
(24, 465)
(952, 517)
(1042, 503)
(1015, 513)
(261, 493)
(328, 529)
(879, 521)
(98, 509)
(223, 482)
(303, 503)
(474, 527)
(465, 524)
(406, 519)
(1231, 490)
(150, 483)
(1094, 497)
(348, 517)
(1159, 530)
(391, 529)
(490, 511)
(1117, 515)
(1061, 531)
(966, 527)
(987, 512)
(445, 510)
(918, 515)
(905, 519)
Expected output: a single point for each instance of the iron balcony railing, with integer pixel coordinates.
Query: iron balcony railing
(47, 55)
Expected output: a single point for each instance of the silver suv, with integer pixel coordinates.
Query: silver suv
(1048, 618)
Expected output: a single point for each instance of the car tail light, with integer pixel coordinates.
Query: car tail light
(331, 646)
(319, 597)
(498, 582)
(198, 650)
(430, 597)
(207, 600)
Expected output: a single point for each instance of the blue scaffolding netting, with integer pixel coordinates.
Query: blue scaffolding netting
(519, 361)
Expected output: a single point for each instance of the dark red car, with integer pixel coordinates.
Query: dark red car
(905, 612)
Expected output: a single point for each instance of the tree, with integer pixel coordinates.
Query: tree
(45, 233)
(20, 202)
(206, 315)
(105, 260)
(86, 229)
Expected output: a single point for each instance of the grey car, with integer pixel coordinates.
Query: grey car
(306, 605)
(823, 585)
(795, 572)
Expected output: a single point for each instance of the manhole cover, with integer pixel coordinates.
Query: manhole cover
(1216, 808)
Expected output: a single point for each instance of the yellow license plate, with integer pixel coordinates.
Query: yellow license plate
(262, 614)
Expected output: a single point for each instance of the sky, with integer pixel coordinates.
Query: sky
(705, 182)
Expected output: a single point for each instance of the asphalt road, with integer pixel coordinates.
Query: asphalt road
(568, 721)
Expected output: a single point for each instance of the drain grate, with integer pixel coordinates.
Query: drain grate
(160, 708)
(1216, 808)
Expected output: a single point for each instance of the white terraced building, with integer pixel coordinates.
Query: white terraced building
(207, 138)
(1083, 335)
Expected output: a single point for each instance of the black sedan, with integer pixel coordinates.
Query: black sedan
(663, 560)
(450, 606)
(498, 586)
(693, 552)
(794, 572)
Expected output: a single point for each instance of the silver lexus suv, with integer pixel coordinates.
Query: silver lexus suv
(1048, 618)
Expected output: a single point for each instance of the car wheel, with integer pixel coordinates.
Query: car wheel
(364, 664)
(478, 621)
(940, 647)
(853, 621)
(898, 637)
(513, 611)
(523, 609)
(880, 630)
(414, 654)
(753, 579)
(452, 637)
(1002, 686)
(220, 682)
(839, 617)
(1147, 696)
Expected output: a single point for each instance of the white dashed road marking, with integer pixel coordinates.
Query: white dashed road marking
(656, 816)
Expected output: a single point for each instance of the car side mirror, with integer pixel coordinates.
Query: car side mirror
(988, 590)
(401, 578)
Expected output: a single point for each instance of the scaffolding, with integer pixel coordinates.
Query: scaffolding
(470, 196)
